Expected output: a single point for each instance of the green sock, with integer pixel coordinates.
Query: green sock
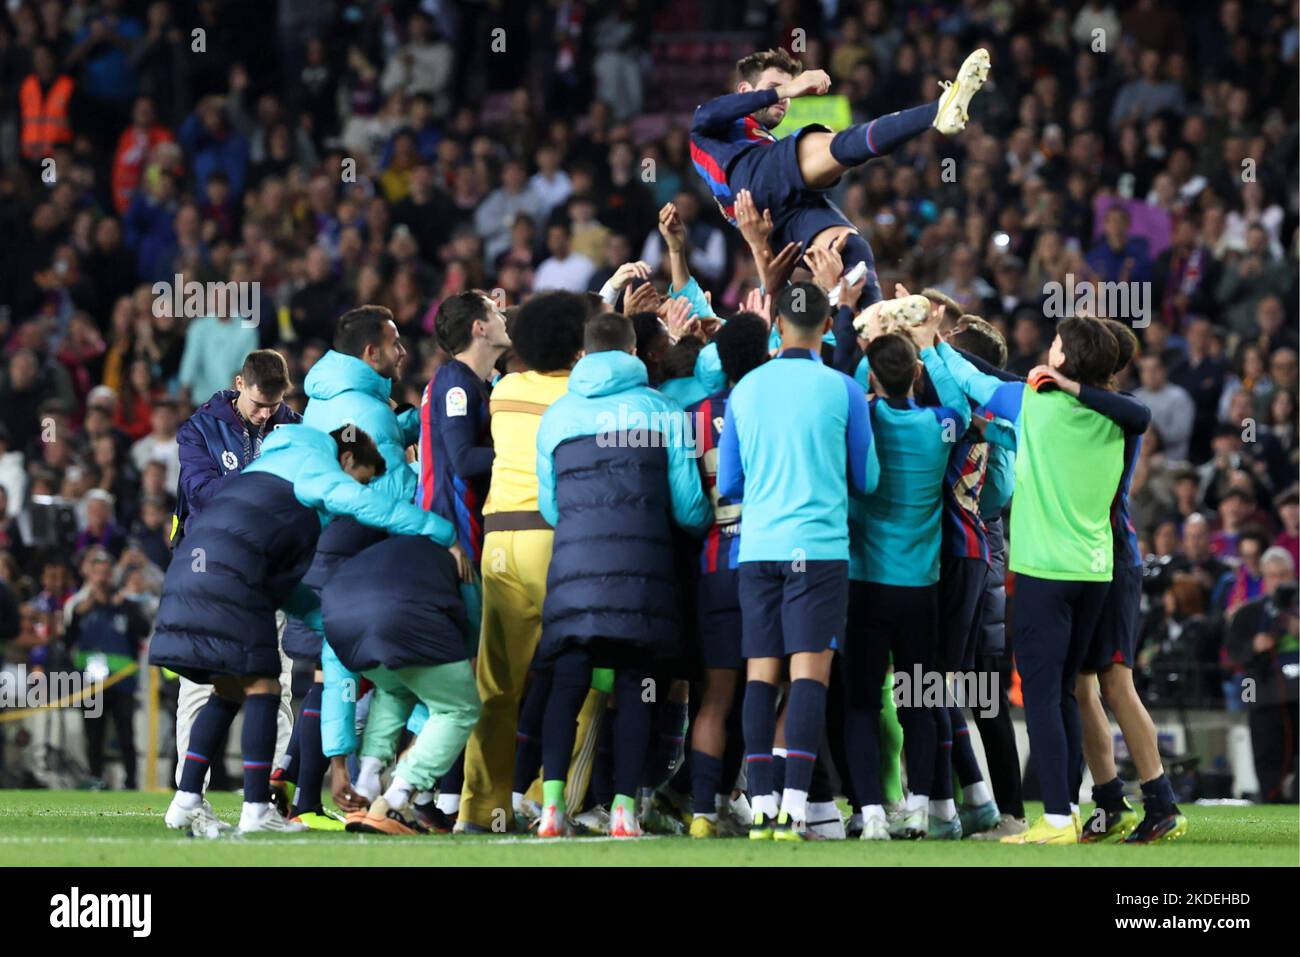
(625, 802)
(553, 793)
(891, 744)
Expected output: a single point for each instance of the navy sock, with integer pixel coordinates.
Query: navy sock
(759, 717)
(292, 764)
(706, 780)
(941, 787)
(258, 744)
(669, 738)
(631, 724)
(964, 761)
(1158, 795)
(778, 773)
(805, 719)
(210, 727)
(864, 141)
(312, 762)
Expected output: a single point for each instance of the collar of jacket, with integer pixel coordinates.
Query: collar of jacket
(335, 373)
(605, 373)
(799, 354)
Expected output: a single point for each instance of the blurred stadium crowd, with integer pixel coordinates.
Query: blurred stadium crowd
(523, 146)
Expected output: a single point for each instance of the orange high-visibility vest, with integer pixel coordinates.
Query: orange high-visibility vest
(45, 118)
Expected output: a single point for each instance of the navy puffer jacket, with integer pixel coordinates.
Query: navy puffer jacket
(245, 555)
(615, 470)
(396, 604)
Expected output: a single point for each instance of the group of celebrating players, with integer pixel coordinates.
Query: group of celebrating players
(631, 567)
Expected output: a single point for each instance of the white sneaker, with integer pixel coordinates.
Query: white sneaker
(593, 821)
(207, 825)
(179, 817)
(826, 821)
(874, 829)
(910, 826)
(953, 105)
(264, 817)
(623, 823)
(735, 817)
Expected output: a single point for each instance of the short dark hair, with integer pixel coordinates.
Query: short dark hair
(980, 338)
(361, 327)
(742, 344)
(547, 332)
(1090, 351)
(749, 68)
(349, 438)
(267, 371)
(454, 324)
(1125, 340)
(803, 305)
(608, 332)
(893, 363)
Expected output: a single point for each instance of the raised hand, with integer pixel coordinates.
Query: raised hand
(754, 227)
(778, 271)
(644, 298)
(671, 228)
(629, 271)
(826, 266)
(810, 82)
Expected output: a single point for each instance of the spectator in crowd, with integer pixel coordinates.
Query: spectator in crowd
(1262, 641)
(1173, 414)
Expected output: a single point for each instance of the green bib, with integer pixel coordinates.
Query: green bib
(1068, 467)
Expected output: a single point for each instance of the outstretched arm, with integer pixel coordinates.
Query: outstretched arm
(1001, 398)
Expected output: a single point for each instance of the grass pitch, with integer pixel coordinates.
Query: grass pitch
(79, 828)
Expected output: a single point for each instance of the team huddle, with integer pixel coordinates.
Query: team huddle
(636, 568)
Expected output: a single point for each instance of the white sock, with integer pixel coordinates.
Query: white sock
(449, 803)
(398, 794)
(1074, 808)
(188, 800)
(764, 804)
(873, 811)
(517, 801)
(918, 802)
(1059, 820)
(423, 797)
(944, 810)
(974, 795)
(367, 783)
(251, 809)
(795, 804)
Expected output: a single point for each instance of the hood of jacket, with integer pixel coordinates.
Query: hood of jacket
(607, 373)
(335, 373)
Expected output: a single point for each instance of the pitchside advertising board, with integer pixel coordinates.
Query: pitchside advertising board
(831, 111)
